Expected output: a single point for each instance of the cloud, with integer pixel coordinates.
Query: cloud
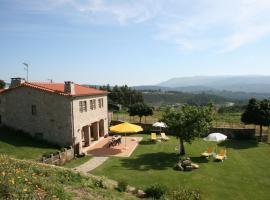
(223, 25)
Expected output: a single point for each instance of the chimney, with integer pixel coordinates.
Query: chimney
(69, 87)
(16, 82)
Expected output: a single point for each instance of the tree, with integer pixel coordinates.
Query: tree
(2, 84)
(140, 109)
(258, 113)
(123, 95)
(148, 111)
(188, 123)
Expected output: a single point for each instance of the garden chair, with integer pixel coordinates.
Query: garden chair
(221, 156)
(153, 136)
(164, 137)
(209, 152)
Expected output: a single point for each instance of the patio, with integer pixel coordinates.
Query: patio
(102, 149)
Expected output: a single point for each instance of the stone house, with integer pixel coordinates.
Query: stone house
(61, 113)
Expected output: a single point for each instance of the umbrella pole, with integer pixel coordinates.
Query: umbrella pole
(125, 140)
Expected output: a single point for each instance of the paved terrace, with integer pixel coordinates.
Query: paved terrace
(102, 149)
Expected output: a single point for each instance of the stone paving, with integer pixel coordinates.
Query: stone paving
(125, 149)
(91, 164)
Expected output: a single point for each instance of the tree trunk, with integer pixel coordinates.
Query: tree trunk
(261, 133)
(140, 119)
(181, 147)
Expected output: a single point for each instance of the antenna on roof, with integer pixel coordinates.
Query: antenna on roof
(26, 68)
(50, 80)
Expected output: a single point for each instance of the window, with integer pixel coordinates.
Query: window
(93, 104)
(34, 109)
(100, 103)
(83, 106)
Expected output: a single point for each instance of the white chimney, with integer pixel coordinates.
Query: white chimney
(16, 82)
(69, 87)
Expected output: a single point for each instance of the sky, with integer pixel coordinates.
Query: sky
(134, 42)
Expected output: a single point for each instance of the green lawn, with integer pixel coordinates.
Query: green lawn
(77, 161)
(21, 146)
(244, 175)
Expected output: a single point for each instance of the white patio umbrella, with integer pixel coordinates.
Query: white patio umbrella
(215, 137)
(160, 125)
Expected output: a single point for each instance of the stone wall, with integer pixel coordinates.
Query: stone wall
(232, 133)
(59, 158)
(236, 133)
(52, 121)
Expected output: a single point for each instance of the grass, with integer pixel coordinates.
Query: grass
(77, 161)
(21, 179)
(246, 170)
(22, 146)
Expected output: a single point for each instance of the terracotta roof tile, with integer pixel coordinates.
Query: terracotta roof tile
(59, 88)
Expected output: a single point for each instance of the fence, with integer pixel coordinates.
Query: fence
(216, 123)
(233, 131)
(60, 157)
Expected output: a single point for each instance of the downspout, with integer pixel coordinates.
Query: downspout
(72, 125)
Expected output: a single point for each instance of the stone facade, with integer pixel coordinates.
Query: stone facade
(53, 117)
(83, 121)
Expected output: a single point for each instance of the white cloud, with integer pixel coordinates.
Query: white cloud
(223, 25)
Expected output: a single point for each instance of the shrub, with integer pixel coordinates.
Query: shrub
(122, 186)
(183, 194)
(99, 182)
(156, 191)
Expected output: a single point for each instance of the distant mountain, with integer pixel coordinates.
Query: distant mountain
(258, 84)
(231, 87)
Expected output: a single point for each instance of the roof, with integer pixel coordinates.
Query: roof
(58, 88)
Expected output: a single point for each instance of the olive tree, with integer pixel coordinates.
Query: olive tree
(188, 122)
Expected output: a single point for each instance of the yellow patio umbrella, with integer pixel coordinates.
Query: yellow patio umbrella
(125, 128)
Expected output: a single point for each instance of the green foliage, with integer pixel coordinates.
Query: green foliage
(99, 182)
(2, 84)
(122, 186)
(188, 122)
(156, 191)
(172, 97)
(183, 194)
(258, 113)
(140, 109)
(21, 179)
(231, 109)
(123, 95)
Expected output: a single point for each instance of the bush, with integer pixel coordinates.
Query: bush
(122, 186)
(100, 182)
(183, 194)
(156, 191)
